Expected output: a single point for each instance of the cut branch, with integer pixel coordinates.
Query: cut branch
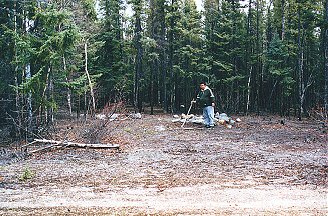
(63, 144)
(80, 145)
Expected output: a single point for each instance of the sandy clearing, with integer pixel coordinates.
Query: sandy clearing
(199, 198)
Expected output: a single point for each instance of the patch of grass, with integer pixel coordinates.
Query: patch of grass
(150, 132)
(26, 175)
(129, 130)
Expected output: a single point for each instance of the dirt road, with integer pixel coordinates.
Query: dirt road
(259, 167)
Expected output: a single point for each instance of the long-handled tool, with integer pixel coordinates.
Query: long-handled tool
(191, 103)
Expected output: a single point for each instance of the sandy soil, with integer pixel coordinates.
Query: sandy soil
(259, 167)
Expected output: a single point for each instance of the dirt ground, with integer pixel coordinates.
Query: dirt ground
(259, 167)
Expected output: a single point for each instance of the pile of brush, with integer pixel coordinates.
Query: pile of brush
(222, 119)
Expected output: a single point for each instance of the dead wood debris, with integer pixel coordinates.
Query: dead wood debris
(64, 144)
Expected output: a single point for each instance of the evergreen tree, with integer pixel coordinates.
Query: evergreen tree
(188, 52)
(110, 55)
(138, 6)
(263, 56)
(225, 43)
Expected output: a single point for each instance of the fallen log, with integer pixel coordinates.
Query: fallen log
(31, 143)
(44, 148)
(78, 145)
(64, 144)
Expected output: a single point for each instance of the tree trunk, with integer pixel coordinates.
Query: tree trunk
(28, 76)
(29, 99)
(68, 89)
(248, 54)
(249, 89)
(170, 63)
(283, 19)
(258, 63)
(300, 65)
(326, 59)
(85, 106)
(50, 89)
(43, 107)
(17, 98)
(152, 88)
(164, 77)
(139, 57)
(93, 111)
(152, 62)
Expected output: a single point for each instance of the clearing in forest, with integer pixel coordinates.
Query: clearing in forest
(259, 167)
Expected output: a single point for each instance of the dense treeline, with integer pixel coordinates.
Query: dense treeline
(257, 55)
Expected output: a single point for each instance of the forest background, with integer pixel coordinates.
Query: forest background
(258, 56)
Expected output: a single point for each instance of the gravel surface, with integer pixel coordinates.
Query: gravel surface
(259, 167)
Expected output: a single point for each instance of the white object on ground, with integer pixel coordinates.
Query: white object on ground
(136, 116)
(160, 128)
(101, 116)
(113, 116)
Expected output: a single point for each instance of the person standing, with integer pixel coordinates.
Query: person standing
(205, 99)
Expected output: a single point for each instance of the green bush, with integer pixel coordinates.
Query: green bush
(26, 175)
